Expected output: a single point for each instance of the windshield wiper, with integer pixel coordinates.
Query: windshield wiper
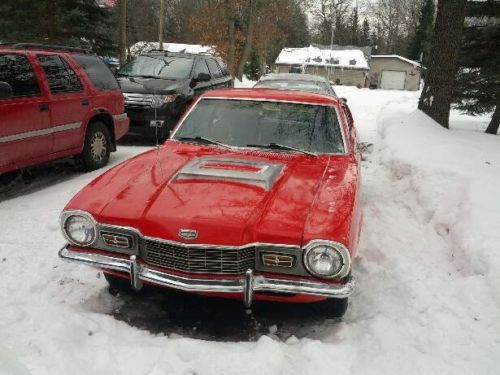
(202, 140)
(277, 146)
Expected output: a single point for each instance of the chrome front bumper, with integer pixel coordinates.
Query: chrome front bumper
(247, 284)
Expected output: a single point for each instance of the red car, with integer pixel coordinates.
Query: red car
(56, 103)
(255, 196)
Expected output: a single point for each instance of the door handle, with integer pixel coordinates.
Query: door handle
(44, 107)
(85, 101)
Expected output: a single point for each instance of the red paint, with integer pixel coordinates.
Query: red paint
(22, 114)
(314, 198)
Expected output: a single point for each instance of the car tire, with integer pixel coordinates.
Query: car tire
(117, 284)
(97, 147)
(335, 307)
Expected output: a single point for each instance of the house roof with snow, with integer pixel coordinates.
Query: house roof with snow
(312, 55)
(414, 63)
(141, 47)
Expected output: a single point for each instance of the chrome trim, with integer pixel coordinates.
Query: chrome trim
(246, 285)
(344, 136)
(134, 271)
(199, 168)
(38, 133)
(120, 117)
(340, 248)
(65, 215)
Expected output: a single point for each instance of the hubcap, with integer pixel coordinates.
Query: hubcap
(98, 146)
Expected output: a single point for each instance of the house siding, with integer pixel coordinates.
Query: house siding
(379, 64)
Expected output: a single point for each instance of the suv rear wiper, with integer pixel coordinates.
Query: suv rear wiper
(277, 146)
(202, 140)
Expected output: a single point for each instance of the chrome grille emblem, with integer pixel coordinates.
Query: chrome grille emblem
(117, 240)
(188, 234)
(278, 260)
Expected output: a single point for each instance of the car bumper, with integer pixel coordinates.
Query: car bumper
(122, 123)
(246, 284)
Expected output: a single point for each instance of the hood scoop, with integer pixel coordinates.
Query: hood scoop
(249, 172)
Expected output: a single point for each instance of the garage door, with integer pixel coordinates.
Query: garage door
(393, 80)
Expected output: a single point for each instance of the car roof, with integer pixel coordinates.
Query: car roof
(176, 54)
(293, 77)
(271, 95)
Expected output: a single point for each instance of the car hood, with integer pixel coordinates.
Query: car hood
(149, 85)
(228, 197)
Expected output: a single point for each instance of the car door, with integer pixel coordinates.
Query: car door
(200, 66)
(219, 80)
(24, 117)
(69, 102)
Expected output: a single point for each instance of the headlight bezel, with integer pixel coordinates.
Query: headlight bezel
(157, 100)
(335, 246)
(66, 215)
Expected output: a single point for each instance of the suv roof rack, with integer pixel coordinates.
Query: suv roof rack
(51, 47)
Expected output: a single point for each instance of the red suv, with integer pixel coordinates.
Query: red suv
(57, 102)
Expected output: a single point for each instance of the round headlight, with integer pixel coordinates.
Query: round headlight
(326, 259)
(80, 230)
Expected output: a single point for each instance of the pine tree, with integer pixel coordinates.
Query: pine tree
(436, 96)
(420, 46)
(82, 23)
(355, 27)
(477, 83)
(365, 33)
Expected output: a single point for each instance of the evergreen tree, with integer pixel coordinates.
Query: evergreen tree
(81, 23)
(437, 94)
(365, 34)
(477, 83)
(252, 67)
(420, 46)
(355, 27)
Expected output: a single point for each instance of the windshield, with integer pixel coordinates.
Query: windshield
(166, 67)
(249, 123)
(315, 87)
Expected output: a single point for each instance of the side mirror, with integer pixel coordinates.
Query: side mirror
(344, 100)
(203, 77)
(5, 90)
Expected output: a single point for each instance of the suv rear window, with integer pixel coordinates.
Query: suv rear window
(98, 72)
(16, 70)
(60, 76)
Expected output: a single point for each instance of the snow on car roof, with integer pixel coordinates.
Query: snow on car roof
(141, 47)
(270, 94)
(293, 77)
(350, 58)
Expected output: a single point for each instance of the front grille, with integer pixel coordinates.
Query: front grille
(138, 100)
(199, 260)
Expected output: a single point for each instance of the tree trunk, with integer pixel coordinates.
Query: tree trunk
(248, 39)
(436, 96)
(230, 51)
(161, 23)
(495, 120)
(123, 32)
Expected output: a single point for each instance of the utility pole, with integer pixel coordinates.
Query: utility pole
(161, 24)
(123, 31)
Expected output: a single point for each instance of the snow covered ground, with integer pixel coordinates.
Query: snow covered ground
(428, 299)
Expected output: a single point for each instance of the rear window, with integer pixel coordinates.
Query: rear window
(100, 75)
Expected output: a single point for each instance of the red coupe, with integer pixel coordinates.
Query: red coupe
(256, 196)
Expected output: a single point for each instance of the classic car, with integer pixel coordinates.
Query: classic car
(255, 196)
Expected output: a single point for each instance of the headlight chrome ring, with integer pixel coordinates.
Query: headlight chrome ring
(84, 227)
(331, 250)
